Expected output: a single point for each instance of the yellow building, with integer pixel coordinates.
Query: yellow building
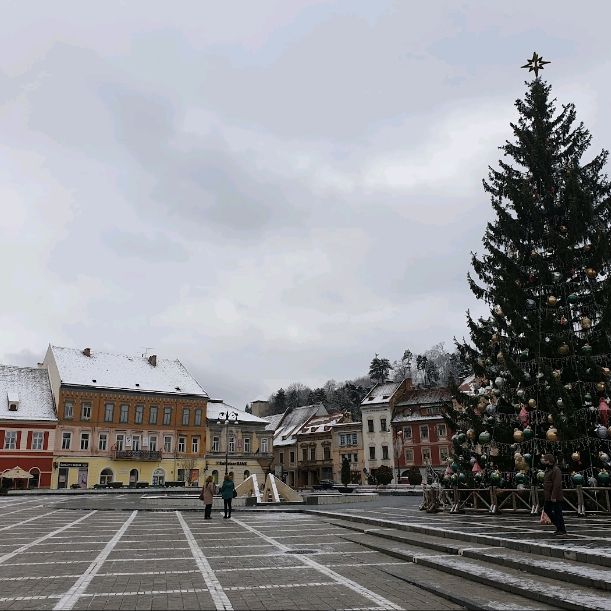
(347, 444)
(125, 419)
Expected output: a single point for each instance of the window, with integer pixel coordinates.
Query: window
(167, 415)
(153, 414)
(383, 425)
(424, 431)
(109, 409)
(370, 426)
(292, 457)
(195, 445)
(153, 443)
(216, 444)
(185, 416)
(103, 441)
(326, 453)
(407, 432)
(105, 477)
(124, 414)
(264, 445)
(182, 442)
(312, 453)
(198, 417)
(409, 455)
(426, 455)
(247, 445)
(37, 440)
(66, 440)
(232, 444)
(444, 453)
(304, 454)
(183, 475)
(441, 431)
(167, 443)
(354, 439)
(10, 440)
(136, 443)
(158, 477)
(384, 452)
(372, 453)
(85, 411)
(139, 415)
(120, 441)
(342, 440)
(84, 441)
(281, 461)
(355, 457)
(68, 410)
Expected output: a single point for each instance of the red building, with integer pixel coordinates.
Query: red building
(27, 425)
(420, 435)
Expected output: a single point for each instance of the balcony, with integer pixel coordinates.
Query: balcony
(136, 455)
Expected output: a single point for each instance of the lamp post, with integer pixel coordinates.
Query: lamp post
(224, 419)
(398, 448)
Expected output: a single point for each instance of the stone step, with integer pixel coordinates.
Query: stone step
(545, 590)
(580, 550)
(566, 570)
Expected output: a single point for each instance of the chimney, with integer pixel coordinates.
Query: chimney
(153, 360)
(87, 351)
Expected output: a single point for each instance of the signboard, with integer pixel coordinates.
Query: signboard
(75, 465)
(239, 463)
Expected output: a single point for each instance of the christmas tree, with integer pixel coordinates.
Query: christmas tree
(542, 357)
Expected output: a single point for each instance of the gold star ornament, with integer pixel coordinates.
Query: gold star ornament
(535, 63)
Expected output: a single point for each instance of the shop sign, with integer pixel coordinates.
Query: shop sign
(75, 465)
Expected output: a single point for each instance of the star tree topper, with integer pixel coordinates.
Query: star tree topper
(535, 63)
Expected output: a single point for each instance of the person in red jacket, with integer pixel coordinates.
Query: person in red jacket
(552, 490)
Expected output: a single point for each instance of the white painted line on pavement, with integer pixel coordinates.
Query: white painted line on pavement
(221, 601)
(353, 585)
(147, 592)
(278, 586)
(71, 597)
(38, 517)
(27, 546)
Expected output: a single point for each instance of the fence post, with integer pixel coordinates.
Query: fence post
(534, 500)
(493, 500)
(581, 505)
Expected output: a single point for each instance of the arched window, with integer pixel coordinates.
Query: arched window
(246, 473)
(133, 477)
(215, 476)
(35, 481)
(106, 477)
(158, 477)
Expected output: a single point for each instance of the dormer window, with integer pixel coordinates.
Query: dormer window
(371, 399)
(94, 381)
(385, 396)
(13, 401)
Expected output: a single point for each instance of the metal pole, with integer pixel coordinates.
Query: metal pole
(227, 446)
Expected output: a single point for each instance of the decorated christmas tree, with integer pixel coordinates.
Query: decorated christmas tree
(541, 359)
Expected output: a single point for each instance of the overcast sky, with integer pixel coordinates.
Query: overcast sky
(269, 191)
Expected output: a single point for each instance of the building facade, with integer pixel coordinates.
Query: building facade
(377, 411)
(420, 435)
(27, 425)
(242, 441)
(125, 418)
(347, 444)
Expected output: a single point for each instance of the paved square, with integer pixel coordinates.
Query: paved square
(53, 558)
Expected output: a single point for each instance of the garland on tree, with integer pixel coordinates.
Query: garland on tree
(542, 358)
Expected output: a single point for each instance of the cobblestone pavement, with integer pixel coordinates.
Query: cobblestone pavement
(53, 558)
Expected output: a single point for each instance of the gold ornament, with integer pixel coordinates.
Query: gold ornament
(564, 349)
(606, 371)
(586, 323)
(556, 374)
(552, 434)
(518, 435)
(563, 321)
(500, 357)
(591, 273)
(470, 434)
(498, 310)
(600, 386)
(552, 301)
(532, 403)
(575, 456)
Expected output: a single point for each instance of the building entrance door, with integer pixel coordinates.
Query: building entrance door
(62, 481)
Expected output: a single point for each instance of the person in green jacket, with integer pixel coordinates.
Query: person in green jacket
(227, 492)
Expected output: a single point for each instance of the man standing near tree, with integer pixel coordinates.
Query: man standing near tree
(552, 490)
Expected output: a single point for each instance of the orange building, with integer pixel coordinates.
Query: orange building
(125, 418)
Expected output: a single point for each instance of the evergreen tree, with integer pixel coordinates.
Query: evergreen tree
(280, 402)
(379, 368)
(543, 354)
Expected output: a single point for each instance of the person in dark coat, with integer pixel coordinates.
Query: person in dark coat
(227, 490)
(552, 490)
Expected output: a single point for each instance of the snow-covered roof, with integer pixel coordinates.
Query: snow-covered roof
(124, 372)
(425, 397)
(30, 389)
(214, 409)
(381, 393)
(293, 419)
(319, 424)
(416, 417)
(273, 421)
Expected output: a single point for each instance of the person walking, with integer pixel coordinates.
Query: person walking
(227, 492)
(552, 490)
(208, 497)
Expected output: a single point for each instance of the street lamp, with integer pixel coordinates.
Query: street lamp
(224, 419)
(398, 449)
